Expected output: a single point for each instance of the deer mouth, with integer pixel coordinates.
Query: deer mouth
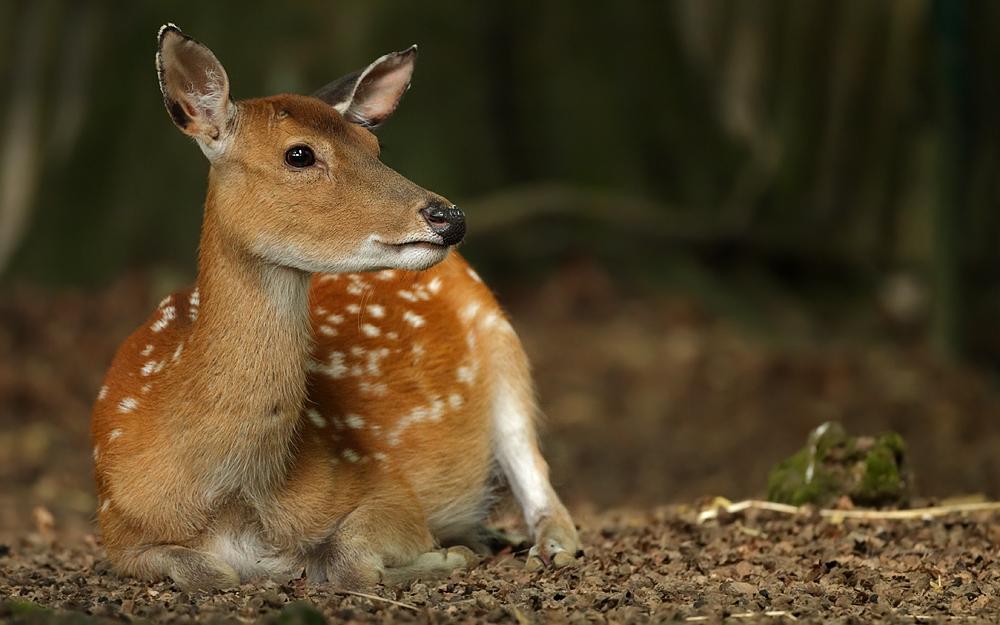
(437, 245)
(411, 254)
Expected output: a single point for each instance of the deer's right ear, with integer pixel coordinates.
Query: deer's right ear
(195, 87)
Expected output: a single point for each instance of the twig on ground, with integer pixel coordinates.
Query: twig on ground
(788, 615)
(915, 513)
(377, 598)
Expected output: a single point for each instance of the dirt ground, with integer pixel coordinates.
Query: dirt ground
(649, 401)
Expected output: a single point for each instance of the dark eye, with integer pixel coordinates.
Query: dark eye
(300, 156)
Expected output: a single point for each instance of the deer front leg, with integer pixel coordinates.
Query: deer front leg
(431, 565)
(190, 569)
(549, 523)
(390, 544)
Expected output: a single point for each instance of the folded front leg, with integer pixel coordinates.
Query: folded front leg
(389, 544)
(190, 569)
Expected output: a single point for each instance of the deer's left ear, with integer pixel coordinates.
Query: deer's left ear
(367, 97)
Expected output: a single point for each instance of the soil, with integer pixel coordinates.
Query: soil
(649, 401)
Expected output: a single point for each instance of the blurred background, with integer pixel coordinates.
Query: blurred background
(716, 223)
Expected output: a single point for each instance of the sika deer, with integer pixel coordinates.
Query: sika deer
(338, 393)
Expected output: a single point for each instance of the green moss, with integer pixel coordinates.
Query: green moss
(881, 474)
(792, 482)
(894, 442)
(868, 470)
(299, 613)
(24, 607)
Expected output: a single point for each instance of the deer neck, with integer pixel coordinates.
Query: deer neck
(246, 359)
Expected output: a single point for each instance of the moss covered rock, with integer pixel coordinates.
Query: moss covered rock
(871, 470)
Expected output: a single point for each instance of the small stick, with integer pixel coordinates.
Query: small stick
(915, 513)
(788, 615)
(377, 598)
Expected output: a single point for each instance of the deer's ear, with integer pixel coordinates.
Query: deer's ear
(195, 87)
(367, 97)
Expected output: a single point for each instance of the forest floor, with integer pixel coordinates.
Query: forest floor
(649, 401)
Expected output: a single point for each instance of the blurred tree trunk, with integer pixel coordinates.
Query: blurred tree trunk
(500, 35)
(43, 126)
(21, 139)
(950, 213)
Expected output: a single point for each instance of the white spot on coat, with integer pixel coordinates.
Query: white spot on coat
(103, 392)
(114, 434)
(168, 314)
(370, 331)
(434, 286)
(376, 310)
(490, 319)
(316, 418)
(470, 312)
(350, 455)
(354, 421)
(334, 367)
(413, 319)
(194, 302)
(327, 330)
(152, 367)
(148, 350)
(455, 401)
(375, 358)
(431, 412)
(177, 353)
(128, 404)
(473, 274)
(466, 374)
(105, 505)
(353, 309)
(409, 296)
(386, 274)
(335, 319)
(378, 389)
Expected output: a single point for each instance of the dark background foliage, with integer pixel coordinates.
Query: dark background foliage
(835, 144)
(717, 223)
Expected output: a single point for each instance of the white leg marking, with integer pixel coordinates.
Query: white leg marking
(516, 451)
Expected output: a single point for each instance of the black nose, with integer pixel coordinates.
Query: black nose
(447, 221)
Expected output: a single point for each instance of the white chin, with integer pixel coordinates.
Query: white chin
(373, 256)
(415, 257)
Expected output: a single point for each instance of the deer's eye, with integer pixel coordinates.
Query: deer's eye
(300, 156)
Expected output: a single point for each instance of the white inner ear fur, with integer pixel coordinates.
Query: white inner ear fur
(212, 102)
(214, 97)
(375, 96)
